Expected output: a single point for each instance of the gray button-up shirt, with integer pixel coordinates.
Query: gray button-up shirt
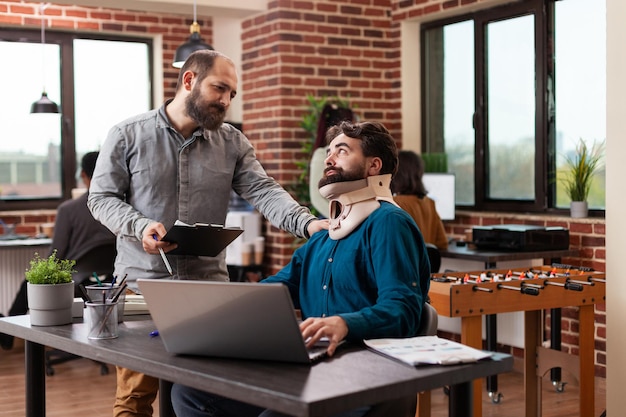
(147, 171)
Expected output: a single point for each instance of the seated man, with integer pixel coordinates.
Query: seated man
(366, 277)
(76, 232)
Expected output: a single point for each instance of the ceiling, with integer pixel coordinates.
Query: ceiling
(217, 8)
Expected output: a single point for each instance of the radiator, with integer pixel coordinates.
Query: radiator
(14, 260)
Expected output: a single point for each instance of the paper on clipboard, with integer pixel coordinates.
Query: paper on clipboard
(427, 350)
(200, 239)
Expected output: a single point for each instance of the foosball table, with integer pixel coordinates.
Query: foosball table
(470, 295)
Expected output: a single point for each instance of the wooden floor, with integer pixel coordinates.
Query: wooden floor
(78, 389)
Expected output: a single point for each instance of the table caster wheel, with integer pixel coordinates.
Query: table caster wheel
(559, 385)
(496, 397)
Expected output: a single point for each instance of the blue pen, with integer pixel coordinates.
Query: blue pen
(167, 263)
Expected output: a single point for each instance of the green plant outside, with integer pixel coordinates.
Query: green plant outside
(581, 168)
(50, 270)
(435, 162)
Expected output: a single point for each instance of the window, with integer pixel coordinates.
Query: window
(96, 82)
(507, 94)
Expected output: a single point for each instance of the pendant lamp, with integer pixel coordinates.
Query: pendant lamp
(44, 104)
(194, 43)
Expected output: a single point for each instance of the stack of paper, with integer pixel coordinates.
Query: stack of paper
(427, 350)
(135, 304)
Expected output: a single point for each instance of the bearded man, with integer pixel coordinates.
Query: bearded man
(367, 277)
(180, 162)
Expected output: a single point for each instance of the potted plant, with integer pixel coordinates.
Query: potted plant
(50, 290)
(580, 171)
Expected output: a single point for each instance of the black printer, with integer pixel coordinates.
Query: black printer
(520, 237)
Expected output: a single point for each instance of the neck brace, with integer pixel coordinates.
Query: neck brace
(352, 201)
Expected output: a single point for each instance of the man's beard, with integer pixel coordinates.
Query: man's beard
(209, 115)
(341, 176)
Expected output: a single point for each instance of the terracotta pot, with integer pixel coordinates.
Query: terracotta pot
(50, 304)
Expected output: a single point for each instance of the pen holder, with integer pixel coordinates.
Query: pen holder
(101, 320)
(95, 293)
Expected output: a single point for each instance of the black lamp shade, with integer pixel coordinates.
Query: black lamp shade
(194, 43)
(44, 105)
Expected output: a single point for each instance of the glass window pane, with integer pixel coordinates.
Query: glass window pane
(449, 102)
(112, 83)
(29, 143)
(580, 90)
(511, 109)
(459, 107)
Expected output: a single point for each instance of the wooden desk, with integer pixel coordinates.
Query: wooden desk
(352, 378)
(472, 300)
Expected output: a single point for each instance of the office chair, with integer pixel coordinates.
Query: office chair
(99, 260)
(407, 406)
(434, 256)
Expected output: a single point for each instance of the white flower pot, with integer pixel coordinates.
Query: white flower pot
(578, 209)
(50, 304)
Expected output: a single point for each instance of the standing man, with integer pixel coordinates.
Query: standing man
(180, 162)
(366, 278)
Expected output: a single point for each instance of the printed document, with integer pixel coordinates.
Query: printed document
(427, 350)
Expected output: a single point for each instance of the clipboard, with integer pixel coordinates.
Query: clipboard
(200, 239)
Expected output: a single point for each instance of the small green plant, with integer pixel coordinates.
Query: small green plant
(50, 270)
(581, 169)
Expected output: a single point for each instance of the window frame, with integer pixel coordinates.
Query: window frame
(545, 129)
(65, 40)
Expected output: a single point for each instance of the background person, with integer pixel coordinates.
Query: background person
(76, 232)
(410, 194)
(366, 277)
(180, 162)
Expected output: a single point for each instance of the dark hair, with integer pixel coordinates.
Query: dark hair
(200, 63)
(331, 115)
(408, 180)
(88, 163)
(375, 141)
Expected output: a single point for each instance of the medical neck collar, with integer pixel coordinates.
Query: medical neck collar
(351, 202)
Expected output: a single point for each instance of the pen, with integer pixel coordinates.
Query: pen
(167, 263)
(97, 278)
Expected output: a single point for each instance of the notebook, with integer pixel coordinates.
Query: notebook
(240, 320)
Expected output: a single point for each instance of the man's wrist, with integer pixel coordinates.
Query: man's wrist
(306, 228)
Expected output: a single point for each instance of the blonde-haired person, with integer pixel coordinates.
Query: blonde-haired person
(410, 194)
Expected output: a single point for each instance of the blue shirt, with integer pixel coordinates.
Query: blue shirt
(376, 278)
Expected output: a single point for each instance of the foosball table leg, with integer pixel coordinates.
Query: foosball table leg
(555, 343)
(491, 330)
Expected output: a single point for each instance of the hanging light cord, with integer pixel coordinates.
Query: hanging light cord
(43, 43)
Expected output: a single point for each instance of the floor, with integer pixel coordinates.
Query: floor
(77, 389)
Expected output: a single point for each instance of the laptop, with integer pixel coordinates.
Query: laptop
(240, 320)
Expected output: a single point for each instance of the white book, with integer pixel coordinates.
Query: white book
(427, 350)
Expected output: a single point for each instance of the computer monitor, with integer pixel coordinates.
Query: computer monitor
(440, 187)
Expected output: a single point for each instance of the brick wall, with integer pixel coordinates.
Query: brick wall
(322, 48)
